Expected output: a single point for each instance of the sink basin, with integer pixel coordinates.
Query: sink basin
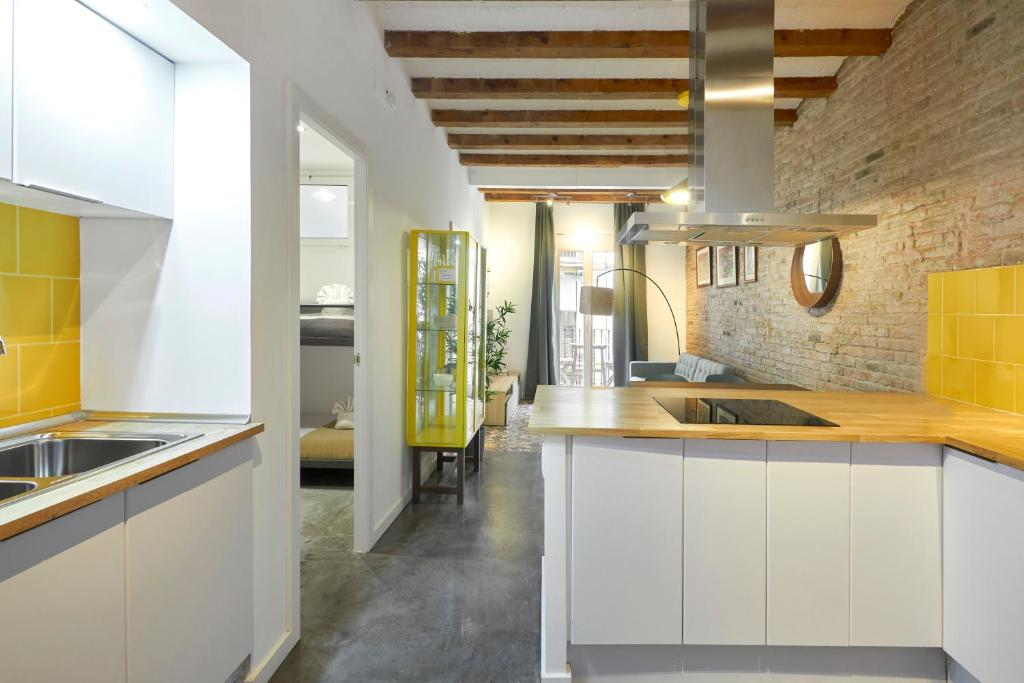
(59, 455)
(9, 489)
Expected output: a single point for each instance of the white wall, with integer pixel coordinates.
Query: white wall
(509, 239)
(509, 236)
(332, 51)
(166, 311)
(322, 261)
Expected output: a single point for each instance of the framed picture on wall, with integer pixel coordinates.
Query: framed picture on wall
(726, 267)
(704, 267)
(750, 264)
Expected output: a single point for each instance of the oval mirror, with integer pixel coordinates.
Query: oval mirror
(816, 272)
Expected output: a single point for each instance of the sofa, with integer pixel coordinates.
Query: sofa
(689, 368)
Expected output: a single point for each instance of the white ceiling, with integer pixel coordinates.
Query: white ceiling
(492, 15)
(317, 154)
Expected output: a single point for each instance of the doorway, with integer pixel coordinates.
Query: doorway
(332, 405)
(585, 353)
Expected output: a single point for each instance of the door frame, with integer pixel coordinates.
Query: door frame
(307, 110)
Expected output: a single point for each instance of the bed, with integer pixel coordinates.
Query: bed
(326, 325)
(327, 447)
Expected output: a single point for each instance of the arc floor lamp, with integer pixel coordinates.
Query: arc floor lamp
(600, 300)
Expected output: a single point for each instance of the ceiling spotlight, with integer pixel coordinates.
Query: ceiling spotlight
(551, 199)
(301, 127)
(677, 195)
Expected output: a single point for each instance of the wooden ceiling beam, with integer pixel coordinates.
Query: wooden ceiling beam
(585, 118)
(574, 196)
(592, 88)
(557, 160)
(569, 142)
(617, 44)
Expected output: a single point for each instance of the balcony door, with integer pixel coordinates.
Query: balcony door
(584, 341)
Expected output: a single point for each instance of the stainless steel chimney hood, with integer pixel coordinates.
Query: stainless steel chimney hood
(732, 140)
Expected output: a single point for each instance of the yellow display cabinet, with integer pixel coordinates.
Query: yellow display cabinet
(446, 372)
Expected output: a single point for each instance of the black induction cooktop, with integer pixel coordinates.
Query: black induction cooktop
(740, 411)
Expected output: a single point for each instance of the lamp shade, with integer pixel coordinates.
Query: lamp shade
(596, 300)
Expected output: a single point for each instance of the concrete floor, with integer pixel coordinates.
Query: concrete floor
(448, 594)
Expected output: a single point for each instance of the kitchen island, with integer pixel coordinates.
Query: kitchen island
(680, 551)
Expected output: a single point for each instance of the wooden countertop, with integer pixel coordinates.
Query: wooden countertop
(868, 417)
(26, 513)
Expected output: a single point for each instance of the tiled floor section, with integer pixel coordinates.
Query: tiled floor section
(448, 594)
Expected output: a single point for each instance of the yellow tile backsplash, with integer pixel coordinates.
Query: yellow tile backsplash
(40, 315)
(976, 337)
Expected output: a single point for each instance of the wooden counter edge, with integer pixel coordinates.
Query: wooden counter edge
(64, 507)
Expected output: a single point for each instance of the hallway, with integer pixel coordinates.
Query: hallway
(447, 594)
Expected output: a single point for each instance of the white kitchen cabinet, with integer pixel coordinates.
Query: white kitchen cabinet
(6, 87)
(983, 561)
(724, 542)
(627, 536)
(189, 570)
(62, 601)
(808, 543)
(93, 109)
(896, 545)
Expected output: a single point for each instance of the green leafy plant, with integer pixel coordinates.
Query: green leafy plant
(498, 335)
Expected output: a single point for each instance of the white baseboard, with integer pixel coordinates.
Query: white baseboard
(262, 671)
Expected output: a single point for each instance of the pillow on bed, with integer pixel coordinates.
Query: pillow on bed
(345, 412)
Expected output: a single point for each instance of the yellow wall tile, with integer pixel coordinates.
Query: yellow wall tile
(995, 290)
(49, 376)
(8, 239)
(976, 335)
(1019, 271)
(959, 291)
(9, 382)
(934, 335)
(66, 310)
(24, 309)
(933, 375)
(950, 334)
(25, 417)
(958, 379)
(1009, 347)
(994, 385)
(48, 243)
(934, 293)
(1019, 391)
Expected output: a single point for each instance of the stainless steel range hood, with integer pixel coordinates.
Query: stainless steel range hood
(732, 128)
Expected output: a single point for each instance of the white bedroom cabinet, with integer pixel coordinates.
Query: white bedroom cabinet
(189, 570)
(63, 601)
(808, 543)
(627, 536)
(896, 545)
(724, 542)
(983, 561)
(93, 109)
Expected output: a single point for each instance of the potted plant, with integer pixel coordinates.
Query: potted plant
(497, 342)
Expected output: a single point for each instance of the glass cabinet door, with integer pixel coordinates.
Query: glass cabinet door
(438, 289)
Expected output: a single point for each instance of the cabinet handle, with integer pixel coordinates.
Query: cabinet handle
(61, 193)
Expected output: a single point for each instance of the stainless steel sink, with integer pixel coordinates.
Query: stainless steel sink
(44, 460)
(62, 456)
(9, 489)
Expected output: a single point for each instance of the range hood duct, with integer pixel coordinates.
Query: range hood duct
(732, 149)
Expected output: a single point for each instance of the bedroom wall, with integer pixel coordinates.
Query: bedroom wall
(333, 52)
(326, 376)
(323, 262)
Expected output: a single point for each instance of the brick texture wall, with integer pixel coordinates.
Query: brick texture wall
(930, 137)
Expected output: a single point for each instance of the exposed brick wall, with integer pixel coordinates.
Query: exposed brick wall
(930, 137)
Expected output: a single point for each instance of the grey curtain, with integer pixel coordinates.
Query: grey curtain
(629, 314)
(542, 356)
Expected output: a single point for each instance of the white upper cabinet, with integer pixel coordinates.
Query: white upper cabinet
(6, 86)
(983, 562)
(93, 109)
